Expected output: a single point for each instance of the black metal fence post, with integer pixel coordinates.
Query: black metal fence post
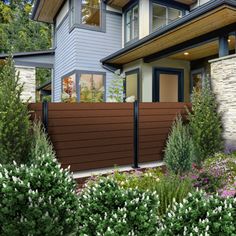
(45, 115)
(136, 134)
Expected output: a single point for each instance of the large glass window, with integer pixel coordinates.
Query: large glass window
(132, 84)
(91, 12)
(91, 88)
(132, 24)
(69, 89)
(162, 16)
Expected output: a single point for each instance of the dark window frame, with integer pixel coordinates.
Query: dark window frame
(131, 72)
(176, 6)
(126, 10)
(78, 74)
(78, 17)
(156, 82)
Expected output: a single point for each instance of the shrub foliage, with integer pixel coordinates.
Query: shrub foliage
(38, 199)
(14, 118)
(200, 214)
(105, 208)
(179, 148)
(205, 124)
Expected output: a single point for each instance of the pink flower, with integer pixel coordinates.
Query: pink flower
(228, 193)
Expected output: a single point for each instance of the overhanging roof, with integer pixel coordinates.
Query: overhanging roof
(41, 59)
(45, 86)
(46, 10)
(207, 18)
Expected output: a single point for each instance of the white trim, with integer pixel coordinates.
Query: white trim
(105, 171)
(223, 58)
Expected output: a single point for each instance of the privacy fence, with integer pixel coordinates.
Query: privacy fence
(99, 135)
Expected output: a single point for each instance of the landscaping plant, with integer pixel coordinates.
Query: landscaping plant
(105, 208)
(179, 148)
(205, 124)
(200, 214)
(14, 118)
(37, 199)
(168, 188)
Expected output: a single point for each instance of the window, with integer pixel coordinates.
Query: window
(162, 16)
(91, 88)
(132, 84)
(91, 12)
(197, 79)
(69, 89)
(87, 14)
(132, 24)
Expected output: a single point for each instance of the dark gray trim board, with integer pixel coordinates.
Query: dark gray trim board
(191, 16)
(77, 80)
(25, 54)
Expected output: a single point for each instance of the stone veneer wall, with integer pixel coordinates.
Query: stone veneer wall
(28, 78)
(223, 79)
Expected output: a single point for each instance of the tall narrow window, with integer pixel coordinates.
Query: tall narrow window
(162, 16)
(132, 24)
(91, 88)
(91, 12)
(132, 84)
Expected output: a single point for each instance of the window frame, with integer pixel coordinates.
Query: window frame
(175, 6)
(131, 72)
(78, 17)
(126, 10)
(78, 74)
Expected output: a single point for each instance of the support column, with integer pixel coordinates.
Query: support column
(223, 46)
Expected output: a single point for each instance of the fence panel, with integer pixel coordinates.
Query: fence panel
(155, 121)
(91, 136)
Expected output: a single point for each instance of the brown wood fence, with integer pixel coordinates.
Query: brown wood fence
(91, 136)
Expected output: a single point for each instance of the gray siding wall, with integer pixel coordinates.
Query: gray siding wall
(82, 49)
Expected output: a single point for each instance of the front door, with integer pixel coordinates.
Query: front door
(168, 85)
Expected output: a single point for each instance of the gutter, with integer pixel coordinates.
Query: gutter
(213, 4)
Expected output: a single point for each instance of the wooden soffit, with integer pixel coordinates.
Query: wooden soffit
(118, 3)
(187, 2)
(212, 20)
(46, 10)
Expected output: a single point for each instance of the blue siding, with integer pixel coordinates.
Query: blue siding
(83, 49)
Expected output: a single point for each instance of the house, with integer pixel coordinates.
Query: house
(165, 48)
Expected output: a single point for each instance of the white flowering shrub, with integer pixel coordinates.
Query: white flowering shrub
(38, 199)
(201, 215)
(105, 208)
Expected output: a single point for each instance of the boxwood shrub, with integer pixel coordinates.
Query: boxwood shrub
(200, 214)
(38, 199)
(107, 209)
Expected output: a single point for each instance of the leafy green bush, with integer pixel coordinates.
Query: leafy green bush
(168, 188)
(105, 208)
(179, 148)
(200, 214)
(37, 199)
(205, 124)
(14, 118)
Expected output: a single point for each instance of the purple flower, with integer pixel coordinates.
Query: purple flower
(228, 193)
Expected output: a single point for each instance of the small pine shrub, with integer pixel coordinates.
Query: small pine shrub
(205, 124)
(37, 199)
(14, 118)
(40, 144)
(200, 214)
(105, 208)
(179, 149)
